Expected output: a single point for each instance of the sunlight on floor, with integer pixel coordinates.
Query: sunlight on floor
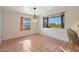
(63, 49)
(26, 45)
(35, 43)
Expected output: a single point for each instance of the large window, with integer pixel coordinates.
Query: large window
(54, 22)
(25, 24)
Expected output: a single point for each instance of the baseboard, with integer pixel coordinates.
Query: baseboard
(35, 34)
(53, 37)
(23, 36)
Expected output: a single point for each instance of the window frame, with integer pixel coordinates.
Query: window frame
(62, 21)
(22, 27)
(29, 24)
(44, 22)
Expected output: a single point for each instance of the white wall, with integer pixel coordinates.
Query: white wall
(0, 26)
(71, 17)
(11, 22)
(11, 25)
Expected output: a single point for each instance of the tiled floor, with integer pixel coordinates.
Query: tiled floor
(34, 43)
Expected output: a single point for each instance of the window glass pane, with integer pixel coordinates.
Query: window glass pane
(54, 22)
(45, 22)
(26, 24)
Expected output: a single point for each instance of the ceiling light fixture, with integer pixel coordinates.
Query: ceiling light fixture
(34, 16)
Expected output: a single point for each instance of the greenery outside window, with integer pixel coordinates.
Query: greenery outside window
(54, 21)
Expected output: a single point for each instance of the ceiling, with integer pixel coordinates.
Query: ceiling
(29, 9)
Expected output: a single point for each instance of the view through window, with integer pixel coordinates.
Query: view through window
(25, 24)
(54, 22)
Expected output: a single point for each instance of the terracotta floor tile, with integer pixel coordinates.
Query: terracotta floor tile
(34, 43)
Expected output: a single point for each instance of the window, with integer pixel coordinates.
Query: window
(54, 22)
(25, 24)
(45, 22)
